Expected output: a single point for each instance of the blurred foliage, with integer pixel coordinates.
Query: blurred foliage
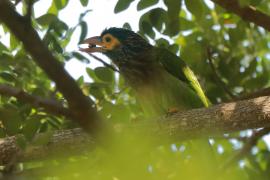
(240, 52)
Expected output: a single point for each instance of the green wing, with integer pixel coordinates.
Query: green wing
(178, 68)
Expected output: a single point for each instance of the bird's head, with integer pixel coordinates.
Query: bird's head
(115, 42)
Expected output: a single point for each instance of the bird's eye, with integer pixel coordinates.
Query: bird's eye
(108, 39)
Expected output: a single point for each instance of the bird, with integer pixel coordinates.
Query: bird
(162, 81)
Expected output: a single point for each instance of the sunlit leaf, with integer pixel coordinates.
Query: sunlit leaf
(60, 4)
(104, 74)
(46, 19)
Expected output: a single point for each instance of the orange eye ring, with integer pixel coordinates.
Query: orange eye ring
(110, 42)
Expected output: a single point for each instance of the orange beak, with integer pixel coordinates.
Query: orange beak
(95, 44)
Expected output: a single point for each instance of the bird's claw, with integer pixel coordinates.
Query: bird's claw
(172, 111)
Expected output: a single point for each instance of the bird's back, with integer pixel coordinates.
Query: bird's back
(156, 89)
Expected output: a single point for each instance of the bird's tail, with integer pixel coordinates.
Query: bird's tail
(194, 83)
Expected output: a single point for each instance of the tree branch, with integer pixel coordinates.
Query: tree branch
(249, 144)
(103, 62)
(247, 13)
(28, 15)
(212, 121)
(261, 92)
(49, 105)
(71, 141)
(217, 76)
(80, 105)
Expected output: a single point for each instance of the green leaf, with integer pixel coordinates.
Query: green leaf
(80, 57)
(11, 119)
(96, 89)
(127, 26)
(46, 19)
(122, 5)
(31, 127)
(91, 73)
(157, 17)
(54, 122)
(186, 24)
(84, 2)
(3, 48)
(162, 43)
(82, 15)
(55, 45)
(84, 29)
(80, 80)
(7, 76)
(145, 26)
(59, 27)
(14, 43)
(53, 9)
(195, 7)
(104, 74)
(172, 24)
(145, 4)
(60, 4)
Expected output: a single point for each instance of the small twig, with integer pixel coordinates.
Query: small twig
(251, 142)
(49, 105)
(217, 76)
(30, 4)
(103, 62)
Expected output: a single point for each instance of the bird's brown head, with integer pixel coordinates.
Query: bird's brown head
(116, 43)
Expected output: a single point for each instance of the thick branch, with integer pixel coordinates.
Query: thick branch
(261, 92)
(49, 105)
(69, 141)
(247, 13)
(81, 106)
(215, 120)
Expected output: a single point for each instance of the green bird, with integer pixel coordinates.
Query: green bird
(162, 81)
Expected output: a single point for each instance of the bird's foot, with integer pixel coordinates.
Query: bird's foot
(172, 111)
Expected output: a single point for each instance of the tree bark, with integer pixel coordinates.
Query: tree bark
(215, 120)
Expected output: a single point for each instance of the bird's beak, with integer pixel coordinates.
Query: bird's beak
(95, 44)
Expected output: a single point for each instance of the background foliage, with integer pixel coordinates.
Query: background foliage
(196, 30)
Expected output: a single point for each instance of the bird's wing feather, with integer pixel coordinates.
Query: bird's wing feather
(178, 68)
